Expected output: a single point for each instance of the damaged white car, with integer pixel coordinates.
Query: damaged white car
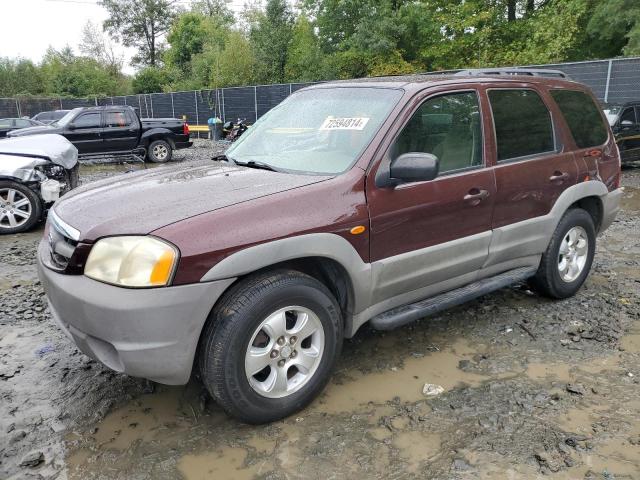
(34, 173)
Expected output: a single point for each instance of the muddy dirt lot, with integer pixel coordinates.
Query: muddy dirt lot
(532, 388)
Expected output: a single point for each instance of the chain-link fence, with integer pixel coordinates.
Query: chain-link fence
(614, 81)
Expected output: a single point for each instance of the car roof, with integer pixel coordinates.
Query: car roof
(420, 81)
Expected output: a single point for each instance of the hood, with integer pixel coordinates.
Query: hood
(37, 130)
(54, 148)
(142, 202)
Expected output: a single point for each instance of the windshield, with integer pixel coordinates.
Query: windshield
(612, 112)
(66, 119)
(319, 131)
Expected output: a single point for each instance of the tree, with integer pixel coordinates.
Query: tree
(270, 36)
(94, 45)
(216, 9)
(150, 80)
(305, 60)
(617, 22)
(140, 24)
(190, 34)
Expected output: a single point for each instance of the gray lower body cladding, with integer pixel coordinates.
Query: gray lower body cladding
(149, 333)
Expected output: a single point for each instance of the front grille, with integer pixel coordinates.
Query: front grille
(61, 247)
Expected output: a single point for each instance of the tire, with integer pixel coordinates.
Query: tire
(160, 151)
(237, 324)
(556, 279)
(15, 197)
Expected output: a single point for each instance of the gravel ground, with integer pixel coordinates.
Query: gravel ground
(531, 388)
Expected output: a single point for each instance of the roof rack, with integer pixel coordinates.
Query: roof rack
(533, 72)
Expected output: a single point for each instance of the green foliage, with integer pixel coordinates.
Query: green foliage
(140, 24)
(150, 80)
(326, 39)
(270, 35)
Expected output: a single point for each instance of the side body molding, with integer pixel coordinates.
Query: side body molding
(531, 237)
(325, 245)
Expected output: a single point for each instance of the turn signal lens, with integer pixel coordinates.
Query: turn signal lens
(132, 261)
(357, 230)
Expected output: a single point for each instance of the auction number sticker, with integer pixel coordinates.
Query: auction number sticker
(351, 123)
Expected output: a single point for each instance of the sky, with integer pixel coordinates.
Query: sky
(30, 26)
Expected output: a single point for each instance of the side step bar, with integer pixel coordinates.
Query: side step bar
(410, 313)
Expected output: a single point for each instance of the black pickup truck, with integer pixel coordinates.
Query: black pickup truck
(117, 131)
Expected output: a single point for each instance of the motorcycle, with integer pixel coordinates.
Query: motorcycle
(34, 173)
(232, 131)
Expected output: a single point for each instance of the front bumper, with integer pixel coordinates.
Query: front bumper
(149, 333)
(610, 208)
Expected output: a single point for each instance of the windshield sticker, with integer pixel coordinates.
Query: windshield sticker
(352, 123)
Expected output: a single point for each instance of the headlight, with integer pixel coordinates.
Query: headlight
(132, 261)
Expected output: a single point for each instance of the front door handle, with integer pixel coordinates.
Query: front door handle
(475, 196)
(559, 177)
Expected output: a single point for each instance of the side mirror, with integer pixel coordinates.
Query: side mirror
(71, 126)
(626, 123)
(415, 167)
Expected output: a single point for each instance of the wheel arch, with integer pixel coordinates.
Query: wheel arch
(328, 258)
(154, 134)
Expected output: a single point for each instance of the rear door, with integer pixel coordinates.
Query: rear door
(532, 169)
(120, 131)
(435, 234)
(86, 133)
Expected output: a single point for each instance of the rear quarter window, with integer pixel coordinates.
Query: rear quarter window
(582, 116)
(522, 123)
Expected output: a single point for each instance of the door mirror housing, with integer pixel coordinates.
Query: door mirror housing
(626, 123)
(414, 167)
(71, 126)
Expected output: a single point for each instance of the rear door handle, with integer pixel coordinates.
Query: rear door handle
(559, 177)
(475, 196)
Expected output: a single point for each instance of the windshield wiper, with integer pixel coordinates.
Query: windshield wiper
(223, 158)
(254, 164)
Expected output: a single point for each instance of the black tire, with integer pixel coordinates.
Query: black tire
(548, 280)
(159, 151)
(35, 206)
(231, 326)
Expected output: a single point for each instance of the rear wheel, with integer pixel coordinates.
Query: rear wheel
(566, 263)
(270, 345)
(159, 151)
(20, 208)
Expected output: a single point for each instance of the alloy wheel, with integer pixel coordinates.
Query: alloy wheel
(284, 352)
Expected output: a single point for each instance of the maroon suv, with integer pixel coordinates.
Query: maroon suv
(377, 201)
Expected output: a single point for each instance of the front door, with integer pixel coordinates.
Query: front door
(433, 235)
(86, 132)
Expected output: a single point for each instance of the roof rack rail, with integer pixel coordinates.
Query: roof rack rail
(533, 72)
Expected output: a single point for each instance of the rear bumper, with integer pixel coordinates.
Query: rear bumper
(179, 145)
(148, 333)
(610, 208)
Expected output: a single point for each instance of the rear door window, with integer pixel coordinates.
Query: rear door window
(582, 116)
(522, 123)
(116, 119)
(628, 115)
(88, 120)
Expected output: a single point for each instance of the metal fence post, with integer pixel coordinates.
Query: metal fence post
(606, 89)
(18, 107)
(255, 100)
(96, 100)
(290, 87)
(195, 98)
(223, 115)
(60, 100)
(173, 110)
(151, 100)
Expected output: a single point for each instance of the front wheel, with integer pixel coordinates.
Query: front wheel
(566, 263)
(159, 151)
(270, 345)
